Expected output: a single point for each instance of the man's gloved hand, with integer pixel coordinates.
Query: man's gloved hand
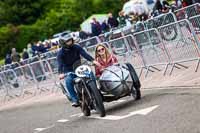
(61, 76)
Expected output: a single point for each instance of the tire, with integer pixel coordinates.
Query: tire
(135, 90)
(98, 101)
(85, 109)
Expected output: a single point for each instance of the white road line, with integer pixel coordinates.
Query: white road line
(62, 120)
(139, 112)
(155, 89)
(37, 130)
(115, 102)
(77, 115)
(40, 129)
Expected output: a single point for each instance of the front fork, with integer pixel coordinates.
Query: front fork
(86, 93)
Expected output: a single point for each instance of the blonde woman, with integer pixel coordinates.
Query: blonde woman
(104, 58)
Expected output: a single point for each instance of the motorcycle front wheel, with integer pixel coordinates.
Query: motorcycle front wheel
(97, 99)
(85, 109)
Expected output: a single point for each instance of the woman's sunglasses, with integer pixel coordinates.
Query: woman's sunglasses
(100, 50)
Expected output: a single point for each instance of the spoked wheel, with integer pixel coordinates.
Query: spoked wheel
(135, 93)
(85, 109)
(135, 90)
(85, 104)
(97, 99)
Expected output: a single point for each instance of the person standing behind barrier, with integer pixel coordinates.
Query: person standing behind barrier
(196, 1)
(30, 50)
(15, 55)
(104, 27)
(165, 6)
(104, 58)
(121, 19)
(8, 59)
(96, 27)
(68, 59)
(41, 48)
(178, 3)
(25, 54)
(157, 9)
(187, 3)
(112, 22)
(83, 35)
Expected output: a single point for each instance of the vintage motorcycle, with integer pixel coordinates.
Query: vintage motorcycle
(117, 81)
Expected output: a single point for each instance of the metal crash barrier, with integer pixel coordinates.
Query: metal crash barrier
(161, 41)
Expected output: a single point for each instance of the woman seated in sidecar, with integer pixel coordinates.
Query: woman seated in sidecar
(104, 58)
(117, 79)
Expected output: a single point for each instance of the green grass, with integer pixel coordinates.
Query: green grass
(1, 62)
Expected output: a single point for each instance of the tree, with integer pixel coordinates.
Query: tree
(33, 20)
(21, 11)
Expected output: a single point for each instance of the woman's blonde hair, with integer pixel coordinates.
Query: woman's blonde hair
(106, 51)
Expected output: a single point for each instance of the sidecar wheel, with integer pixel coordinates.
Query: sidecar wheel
(134, 76)
(135, 93)
(135, 90)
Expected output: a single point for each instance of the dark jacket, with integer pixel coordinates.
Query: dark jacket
(8, 59)
(83, 35)
(112, 22)
(188, 2)
(25, 55)
(96, 29)
(122, 20)
(104, 27)
(158, 6)
(68, 57)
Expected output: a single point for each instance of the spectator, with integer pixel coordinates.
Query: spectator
(25, 54)
(187, 3)
(30, 50)
(112, 22)
(54, 46)
(40, 48)
(96, 27)
(83, 35)
(104, 27)
(179, 4)
(34, 48)
(46, 45)
(165, 6)
(196, 1)
(122, 19)
(8, 59)
(15, 56)
(157, 7)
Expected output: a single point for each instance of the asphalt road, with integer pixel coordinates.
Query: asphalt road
(159, 111)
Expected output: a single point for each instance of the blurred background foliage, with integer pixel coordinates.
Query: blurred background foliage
(27, 21)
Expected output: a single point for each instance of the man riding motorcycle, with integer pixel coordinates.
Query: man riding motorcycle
(67, 58)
